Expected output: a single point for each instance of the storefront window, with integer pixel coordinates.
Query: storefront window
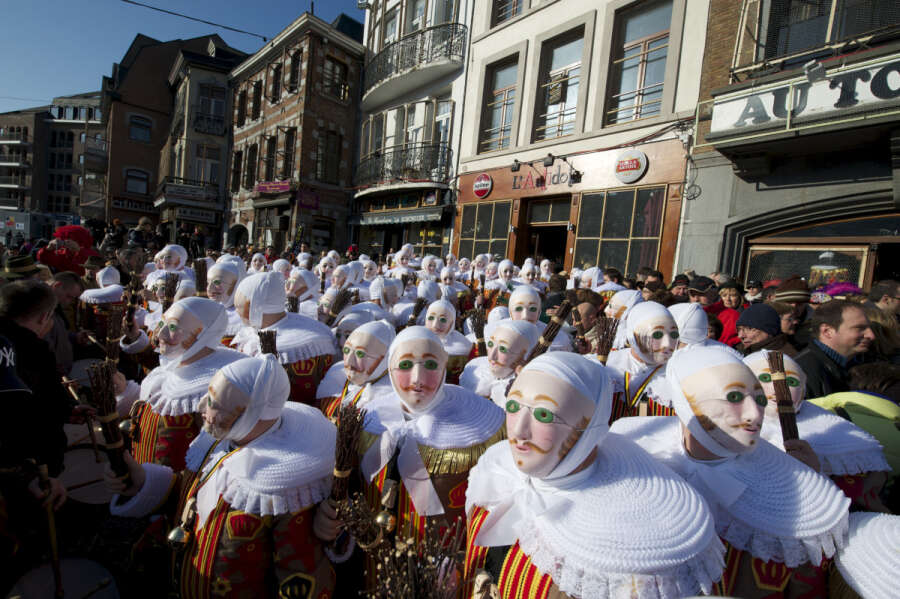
(620, 229)
(427, 237)
(550, 211)
(818, 265)
(484, 229)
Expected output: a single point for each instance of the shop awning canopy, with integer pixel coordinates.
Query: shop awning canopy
(394, 217)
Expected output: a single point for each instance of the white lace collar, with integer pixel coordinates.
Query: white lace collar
(764, 501)
(332, 385)
(298, 338)
(284, 470)
(870, 563)
(841, 446)
(456, 344)
(177, 391)
(653, 538)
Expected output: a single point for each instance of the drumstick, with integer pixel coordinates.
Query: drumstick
(84, 484)
(59, 592)
(87, 419)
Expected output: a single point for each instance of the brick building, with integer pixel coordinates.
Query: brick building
(796, 165)
(294, 119)
(137, 104)
(23, 171)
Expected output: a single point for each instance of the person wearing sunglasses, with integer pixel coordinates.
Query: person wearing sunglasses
(564, 508)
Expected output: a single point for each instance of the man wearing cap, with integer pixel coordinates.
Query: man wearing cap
(245, 504)
(92, 266)
(20, 268)
(759, 327)
(679, 288)
(795, 292)
(754, 292)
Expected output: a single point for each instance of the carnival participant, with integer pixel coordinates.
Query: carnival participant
(245, 499)
(779, 518)
(221, 283)
(440, 319)
(568, 509)
(652, 337)
(370, 271)
(546, 270)
(283, 266)
(426, 290)
(305, 260)
(693, 327)
(174, 258)
(257, 264)
(430, 432)
(305, 347)
(508, 343)
(360, 376)
(868, 566)
(163, 405)
(853, 458)
(429, 270)
(384, 293)
(304, 285)
(528, 276)
(525, 304)
(155, 283)
(504, 279)
(450, 287)
(400, 265)
(491, 271)
(463, 269)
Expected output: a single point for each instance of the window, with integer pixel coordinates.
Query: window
(59, 204)
(137, 181)
(427, 238)
(499, 101)
(257, 98)
(557, 97)
(276, 83)
(70, 141)
(82, 137)
(250, 169)
(294, 76)
(328, 157)
(334, 79)
(236, 171)
(504, 10)
(68, 163)
(797, 25)
(242, 108)
(52, 160)
(415, 16)
(212, 101)
(638, 68)
(620, 229)
(484, 229)
(271, 147)
(390, 28)
(139, 128)
(287, 165)
(207, 165)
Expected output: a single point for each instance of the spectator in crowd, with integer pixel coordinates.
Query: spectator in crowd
(142, 234)
(68, 250)
(197, 247)
(840, 333)
(886, 330)
(786, 314)
(698, 290)
(754, 294)
(612, 275)
(731, 296)
(701, 290)
(679, 288)
(556, 293)
(795, 291)
(768, 293)
(759, 327)
(20, 267)
(714, 327)
(885, 295)
(183, 237)
(67, 287)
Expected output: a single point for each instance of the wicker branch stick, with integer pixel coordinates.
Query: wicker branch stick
(787, 416)
(606, 329)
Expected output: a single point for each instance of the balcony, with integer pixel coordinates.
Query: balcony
(187, 192)
(95, 155)
(411, 163)
(14, 160)
(414, 61)
(15, 182)
(208, 123)
(14, 139)
(9, 201)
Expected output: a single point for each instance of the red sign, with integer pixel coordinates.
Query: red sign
(482, 186)
(273, 186)
(631, 165)
(628, 165)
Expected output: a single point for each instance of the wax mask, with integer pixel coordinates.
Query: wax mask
(222, 405)
(370, 271)
(417, 371)
(479, 264)
(528, 275)
(491, 272)
(159, 289)
(506, 273)
(295, 287)
(439, 320)
(404, 260)
(258, 263)
(220, 287)
(338, 278)
(327, 268)
(794, 377)
(657, 338)
(587, 281)
(170, 261)
(242, 306)
(729, 402)
(524, 309)
(177, 331)
(506, 348)
(447, 279)
(545, 416)
(431, 267)
(325, 304)
(363, 352)
(615, 309)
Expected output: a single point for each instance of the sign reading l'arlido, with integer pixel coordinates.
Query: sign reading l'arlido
(875, 83)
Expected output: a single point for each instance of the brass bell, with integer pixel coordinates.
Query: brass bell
(178, 536)
(386, 520)
(126, 426)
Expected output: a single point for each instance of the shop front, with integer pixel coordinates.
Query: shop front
(386, 221)
(616, 208)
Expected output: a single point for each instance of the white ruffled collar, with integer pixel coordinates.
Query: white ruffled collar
(764, 501)
(332, 385)
(111, 294)
(841, 446)
(183, 387)
(869, 563)
(235, 324)
(478, 378)
(654, 536)
(284, 470)
(298, 338)
(623, 361)
(456, 344)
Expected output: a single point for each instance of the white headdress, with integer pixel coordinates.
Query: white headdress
(266, 385)
(266, 295)
(228, 266)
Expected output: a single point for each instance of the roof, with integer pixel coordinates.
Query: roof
(349, 27)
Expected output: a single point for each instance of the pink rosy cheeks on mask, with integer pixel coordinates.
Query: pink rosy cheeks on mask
(417, 371)
(363, 353)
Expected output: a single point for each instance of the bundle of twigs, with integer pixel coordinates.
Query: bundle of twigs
(606, 336)
(341, 301)
(321, 281)
(550, 331)
(579, 328)
(293, 304)
(113, 333)
(267, 344)
(170, 289)
(349, 428)
(407, 280)
(472, 281)
(478, 321)
(420, 305)
(787, 416)
(407, 569)
(104, 399)
(134, 299)
(200, 274)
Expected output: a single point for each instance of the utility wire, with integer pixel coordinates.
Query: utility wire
(183, 16)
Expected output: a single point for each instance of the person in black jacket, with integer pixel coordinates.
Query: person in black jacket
(841, 332)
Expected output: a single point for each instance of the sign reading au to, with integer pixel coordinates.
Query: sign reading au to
(631, 165)
(482, 186)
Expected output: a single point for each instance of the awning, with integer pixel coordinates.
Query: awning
(394, 217)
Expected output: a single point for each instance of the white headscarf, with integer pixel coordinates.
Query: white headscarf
(264, 381)
(108, 276)
(232, 267)
(498, 314)
(179, 251)
(312, 284)
(692, 323)
(428, 290)
(186, 288)
(266, 294)
(304, 260)
(252, 269)
(281, 265)
(639, 314)
(215, 322)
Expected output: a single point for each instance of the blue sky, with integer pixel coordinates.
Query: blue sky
(58, 47)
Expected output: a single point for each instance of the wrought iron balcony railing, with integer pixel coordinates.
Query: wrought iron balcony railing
(417, 50)
(409, 162)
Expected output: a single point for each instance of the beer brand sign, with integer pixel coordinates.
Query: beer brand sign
(631, 166)
(482, 186)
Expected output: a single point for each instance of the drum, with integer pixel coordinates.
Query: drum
(81, 579)
(79, 435)
(82, 474)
